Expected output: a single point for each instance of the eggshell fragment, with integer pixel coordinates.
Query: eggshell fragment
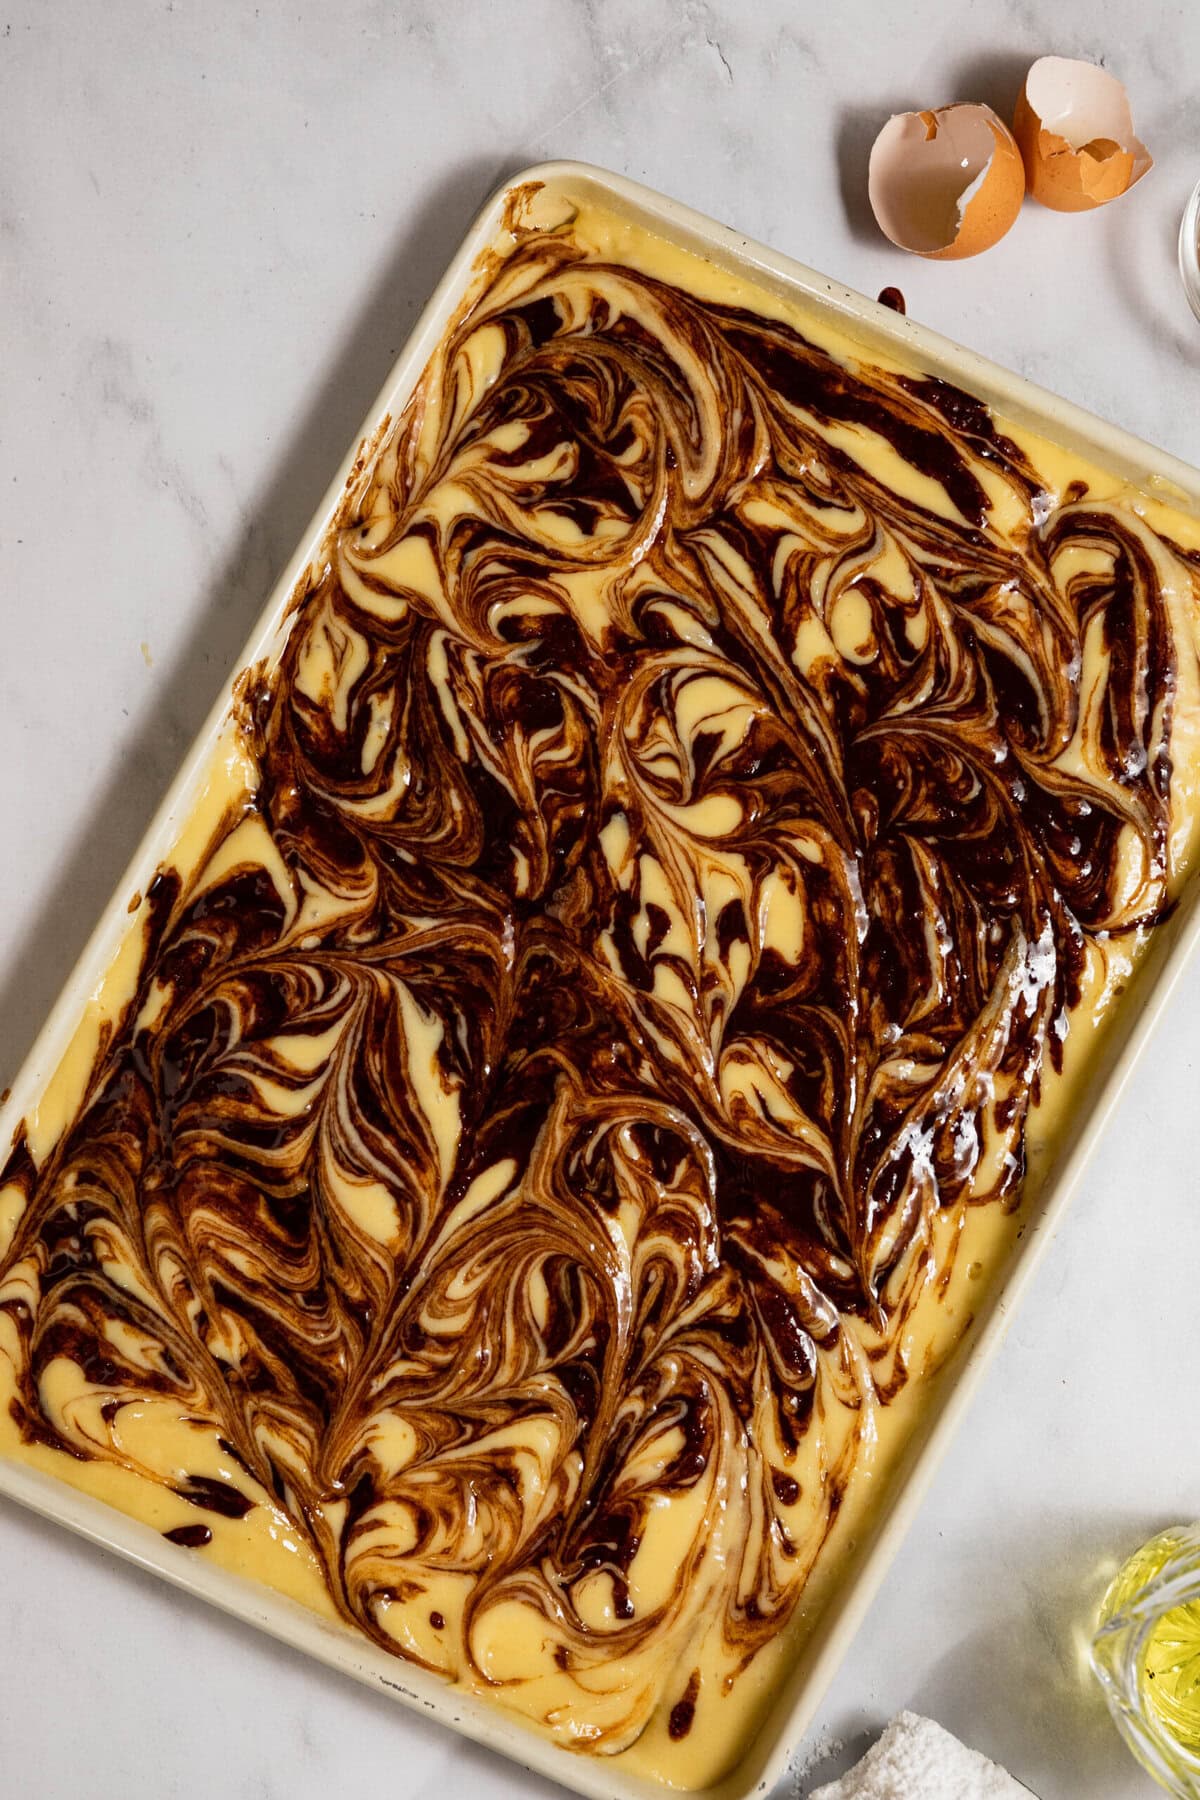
(947, 183)
(1076, 134)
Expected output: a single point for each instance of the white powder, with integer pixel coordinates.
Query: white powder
(917, 1760)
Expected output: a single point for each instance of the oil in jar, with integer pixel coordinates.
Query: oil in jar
(1167, 1664)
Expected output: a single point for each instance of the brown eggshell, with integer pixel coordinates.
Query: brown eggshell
(946, 183)
(1075, 130)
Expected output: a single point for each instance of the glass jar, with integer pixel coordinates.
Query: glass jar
(1146, 1656)
(1189, 250)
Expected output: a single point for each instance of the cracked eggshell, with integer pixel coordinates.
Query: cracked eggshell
(1076, 134)
(946, 183)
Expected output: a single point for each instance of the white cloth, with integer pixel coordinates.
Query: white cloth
(918, 1760)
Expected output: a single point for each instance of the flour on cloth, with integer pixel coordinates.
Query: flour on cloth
(918, 1760)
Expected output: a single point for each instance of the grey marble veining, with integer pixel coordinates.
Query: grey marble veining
(217, 224)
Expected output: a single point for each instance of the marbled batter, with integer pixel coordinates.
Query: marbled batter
(709, 794)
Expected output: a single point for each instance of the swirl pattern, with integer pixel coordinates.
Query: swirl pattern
(691, 802)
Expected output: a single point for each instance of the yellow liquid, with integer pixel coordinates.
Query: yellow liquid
(1168, 1663)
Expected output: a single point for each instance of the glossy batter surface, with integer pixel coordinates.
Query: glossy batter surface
(625, 959)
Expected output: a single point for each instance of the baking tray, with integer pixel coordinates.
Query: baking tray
(877, 329)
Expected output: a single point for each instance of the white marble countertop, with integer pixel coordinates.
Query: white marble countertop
(217, 222)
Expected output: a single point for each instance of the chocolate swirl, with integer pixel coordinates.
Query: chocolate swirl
(688, 799)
